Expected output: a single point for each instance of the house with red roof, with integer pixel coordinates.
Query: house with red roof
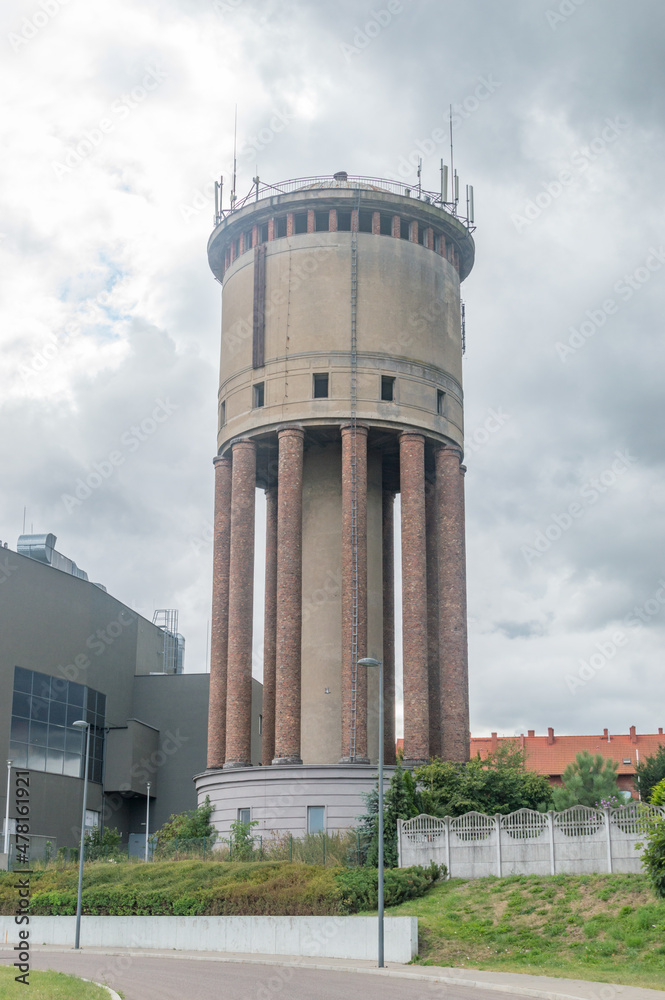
(550, 755)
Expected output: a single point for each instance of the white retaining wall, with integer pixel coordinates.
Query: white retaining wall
(327, 937)
(576, 841)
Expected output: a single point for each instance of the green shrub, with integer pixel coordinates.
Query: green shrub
(653, 857)
(360, 885)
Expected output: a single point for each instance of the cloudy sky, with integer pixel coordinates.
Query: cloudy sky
(116, 119)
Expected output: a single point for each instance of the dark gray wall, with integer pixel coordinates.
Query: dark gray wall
(177, 705)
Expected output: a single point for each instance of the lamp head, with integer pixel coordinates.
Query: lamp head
(80, 724)
(369, 661)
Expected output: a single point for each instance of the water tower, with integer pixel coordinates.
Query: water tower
(340, 386)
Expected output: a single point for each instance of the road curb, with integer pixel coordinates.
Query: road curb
(114, 995)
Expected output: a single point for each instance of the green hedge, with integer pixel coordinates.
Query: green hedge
(216, 889)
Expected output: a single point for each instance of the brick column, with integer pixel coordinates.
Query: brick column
(357, 755)
(433, 620)
(270, 629)
(220, 613)
(241, 594)
(452, 605)
(388, 626)
(289, 596)
(414, 598)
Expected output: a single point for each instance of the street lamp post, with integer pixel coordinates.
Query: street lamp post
(80, 724)
(147, 820)
(369, 661)
(9, 783)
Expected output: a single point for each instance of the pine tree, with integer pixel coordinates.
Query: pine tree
(590, 780)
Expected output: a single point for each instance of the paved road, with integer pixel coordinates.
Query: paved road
(189, 979)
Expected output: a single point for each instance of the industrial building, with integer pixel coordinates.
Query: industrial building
(70, 651)
(340, 387)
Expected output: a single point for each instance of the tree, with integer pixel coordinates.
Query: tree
(590, 780)
(658, 794)
(96, 845)
(649, 772)
(192, 825)
(241, 842)
(401, 801)
(499, 783)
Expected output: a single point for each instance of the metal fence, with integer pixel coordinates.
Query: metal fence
(579, 840)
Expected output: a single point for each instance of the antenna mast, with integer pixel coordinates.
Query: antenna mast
(235, 146)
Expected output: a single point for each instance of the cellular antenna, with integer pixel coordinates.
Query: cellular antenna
(444, 183)
(420, 170)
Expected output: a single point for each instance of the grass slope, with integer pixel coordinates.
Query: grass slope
(48, 986)
(609, 928)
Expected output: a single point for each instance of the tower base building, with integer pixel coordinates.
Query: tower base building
(340, 387)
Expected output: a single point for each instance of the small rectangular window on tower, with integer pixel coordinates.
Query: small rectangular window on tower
(386, 224)
(244, 815)
(259, 394)
(222, 413)
(300, 222)
(321, 385)
(316, 819)
(440, 401)
(280, 227)
(263, 233)
(343, 222)
(364, 221)
(387, 388)
(322, 222)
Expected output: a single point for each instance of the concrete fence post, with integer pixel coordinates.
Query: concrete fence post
(448, 862)
(497, 820)
(609, 840)
(550, 822)
(399, 842)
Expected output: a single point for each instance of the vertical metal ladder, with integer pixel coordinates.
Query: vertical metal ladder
(354, 482)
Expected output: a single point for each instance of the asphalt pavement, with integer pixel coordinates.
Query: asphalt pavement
(154, 975)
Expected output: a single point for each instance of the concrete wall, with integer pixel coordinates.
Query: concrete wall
(278, 796)
(576, 841)
(321, 713)
(329, 937)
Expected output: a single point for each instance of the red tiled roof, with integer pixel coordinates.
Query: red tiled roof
(552, 758)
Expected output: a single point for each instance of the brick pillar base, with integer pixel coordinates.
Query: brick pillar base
(414, 598)
(241, 594)
(452, 606)
(289, 596)
(219, 633)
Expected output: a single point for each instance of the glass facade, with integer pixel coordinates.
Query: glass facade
(42, 735)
